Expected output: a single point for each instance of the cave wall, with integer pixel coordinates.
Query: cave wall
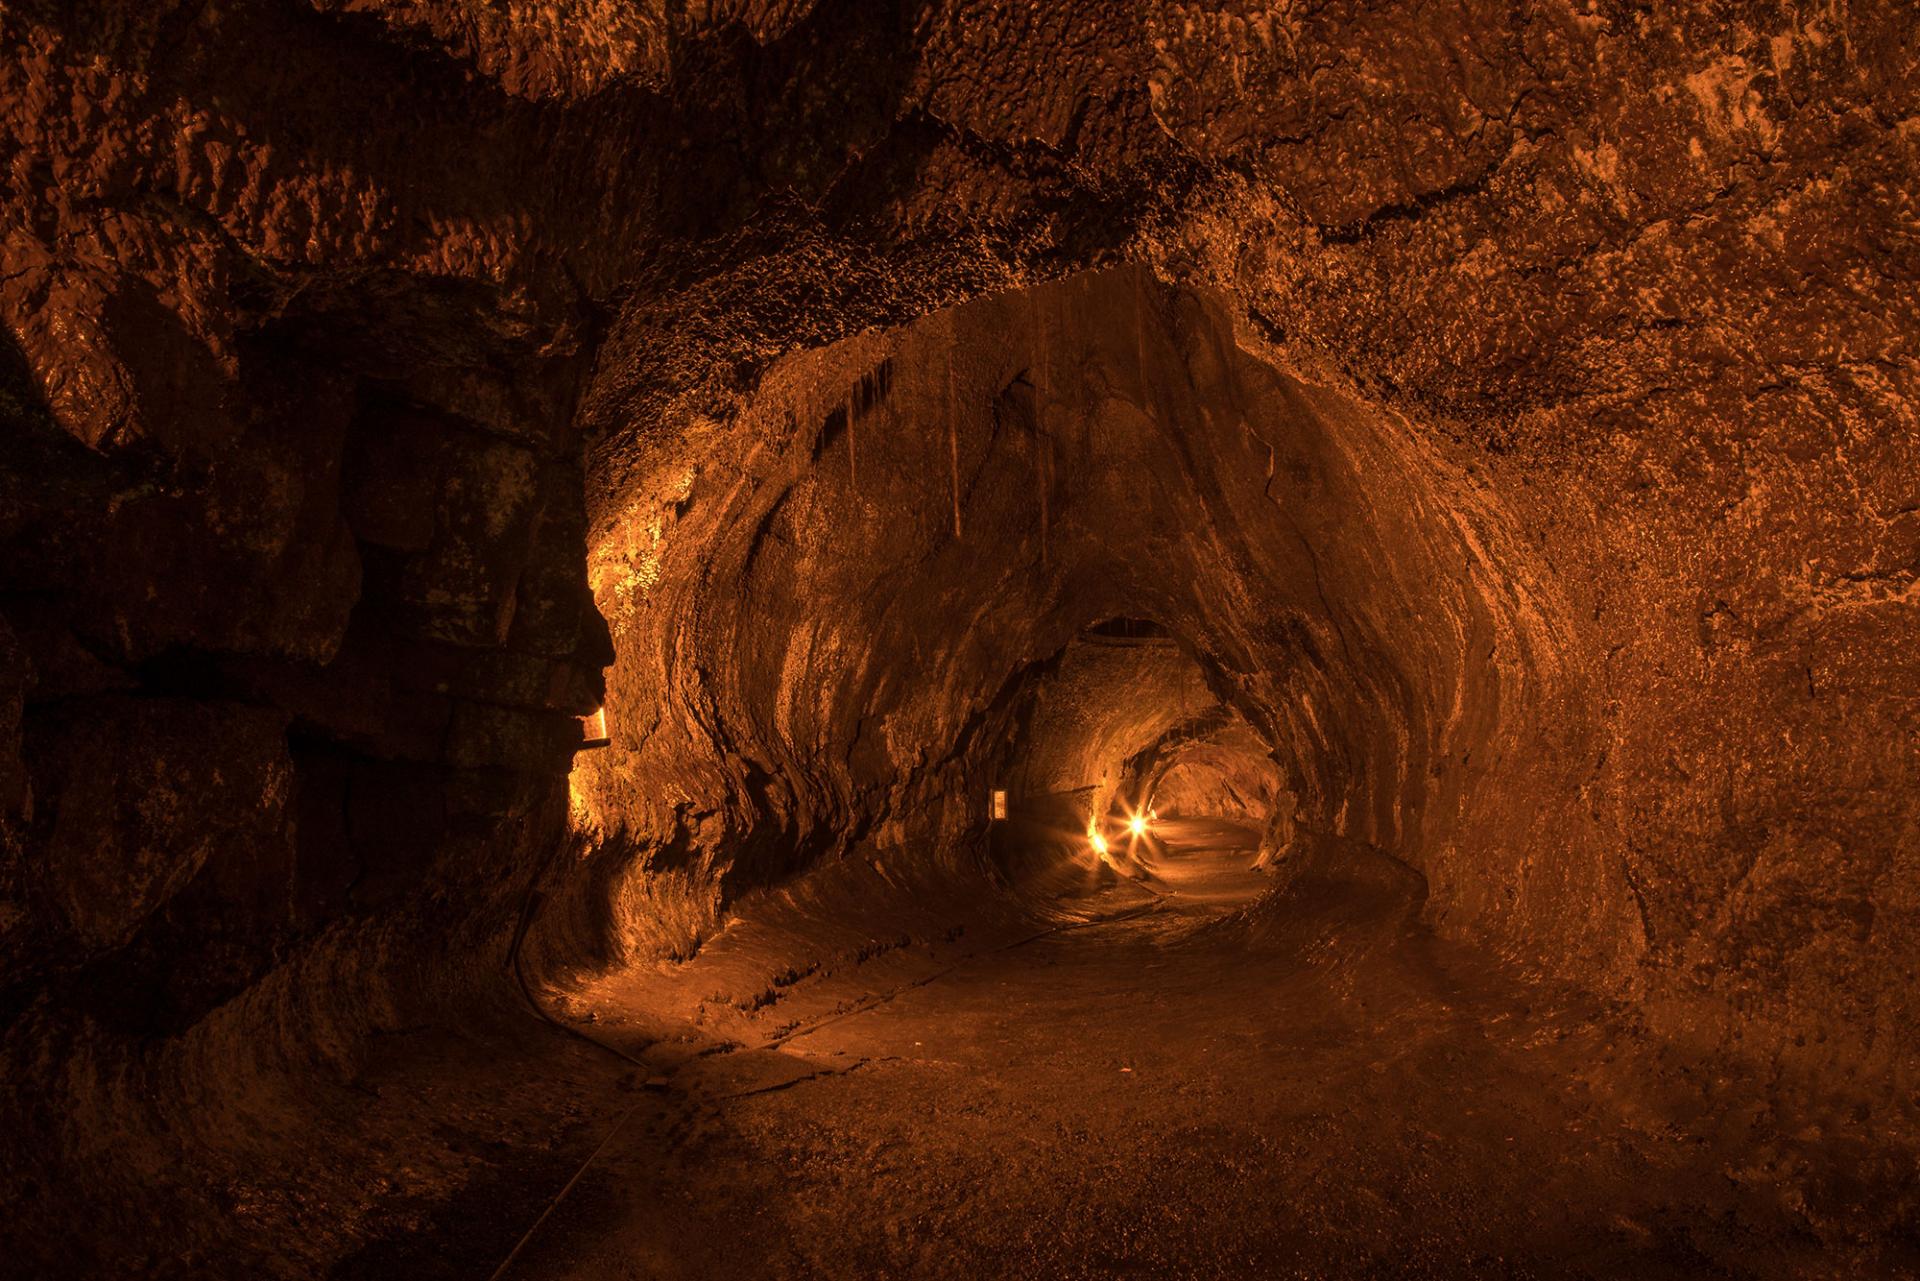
(891, 540)
(291, 596)
(1214, 766)
(1102, 702)
(1608, 313)
(1645, 276)
(1121, 724)
(266, 684)
(1222, 788)
(1393, 620)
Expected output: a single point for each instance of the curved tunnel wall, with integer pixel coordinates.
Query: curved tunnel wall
(1097, 705)
(1215, 771)
(820, 606)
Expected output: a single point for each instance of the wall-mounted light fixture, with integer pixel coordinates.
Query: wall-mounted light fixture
(998, 810)
(593, 730)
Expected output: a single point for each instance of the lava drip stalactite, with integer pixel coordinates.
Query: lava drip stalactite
(1042, 441)
(853, 464)
(953, 444)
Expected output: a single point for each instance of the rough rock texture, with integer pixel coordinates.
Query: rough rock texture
(1630, 299)
(1511, 407)
(1212, 767)
(1105, 701)
(1107, 450)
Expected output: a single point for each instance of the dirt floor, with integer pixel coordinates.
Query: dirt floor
(1173, 1084)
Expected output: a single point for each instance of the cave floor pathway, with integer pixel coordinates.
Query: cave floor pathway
(1167, 1094)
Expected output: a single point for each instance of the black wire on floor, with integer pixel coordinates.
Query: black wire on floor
(530, 908)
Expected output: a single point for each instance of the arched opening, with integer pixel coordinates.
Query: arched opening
(1034, 544)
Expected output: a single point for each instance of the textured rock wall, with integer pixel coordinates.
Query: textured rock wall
(1214, 766)
(1389, 609)
(1124, 723)
(1103, 702)
(1580, 571)
(1201, 788)
(905, 530)
(1645, 277)
(291, 590)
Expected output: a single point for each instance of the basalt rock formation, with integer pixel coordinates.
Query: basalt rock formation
(1505, 421)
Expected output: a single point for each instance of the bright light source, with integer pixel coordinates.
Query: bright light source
(1137, 825)
(1099, 843)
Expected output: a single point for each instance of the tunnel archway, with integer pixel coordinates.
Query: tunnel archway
(825, 611)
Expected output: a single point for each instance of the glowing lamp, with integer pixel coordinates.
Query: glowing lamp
(593, 729)
(1137, 825)
(1099, 843)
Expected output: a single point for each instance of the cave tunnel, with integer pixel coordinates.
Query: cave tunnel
(801, 639)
